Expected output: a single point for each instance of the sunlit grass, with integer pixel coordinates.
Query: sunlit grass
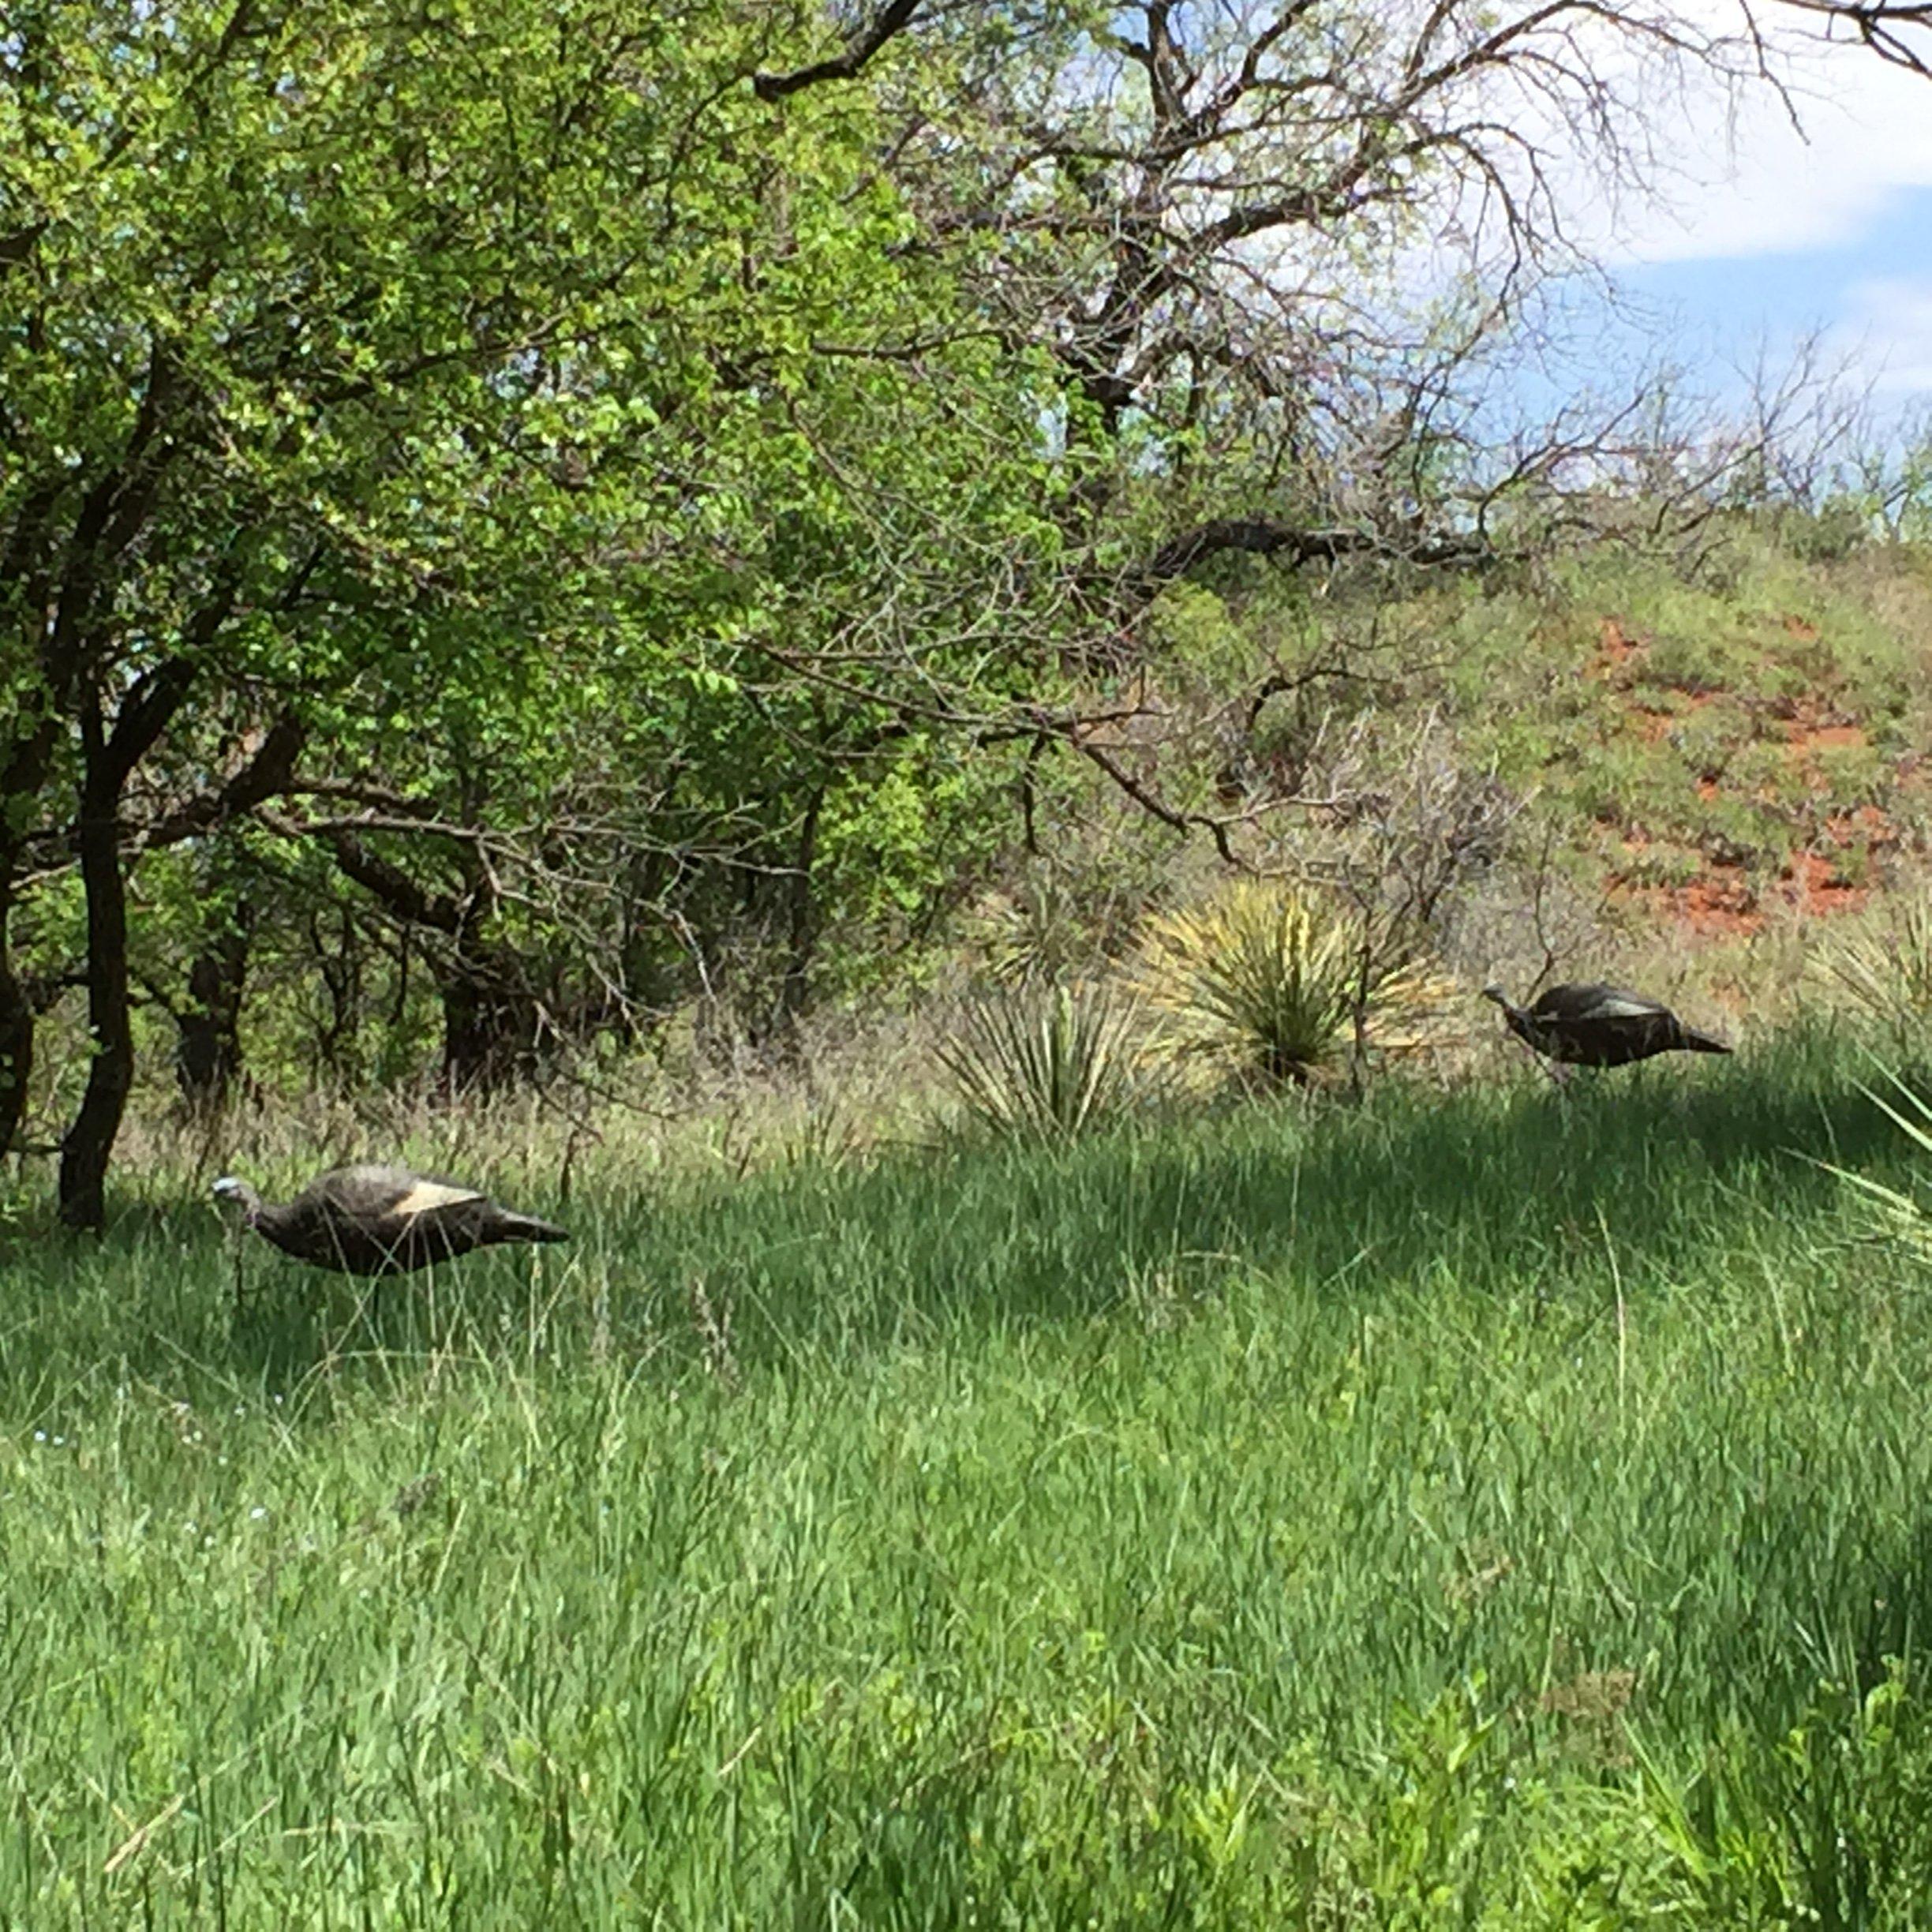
(1444, 1510)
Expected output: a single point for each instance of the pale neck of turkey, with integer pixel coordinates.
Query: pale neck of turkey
(253, 1209)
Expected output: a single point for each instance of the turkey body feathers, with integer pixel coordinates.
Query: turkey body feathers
(1595, 1025)
(379, 1220)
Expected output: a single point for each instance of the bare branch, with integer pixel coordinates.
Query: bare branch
(1881, 25)
(1259, 537)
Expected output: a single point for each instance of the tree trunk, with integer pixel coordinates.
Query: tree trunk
(801, 936)
(208, 1052)
(493, 1026)
(89, 1141)
(16, 1026)
(23, 772)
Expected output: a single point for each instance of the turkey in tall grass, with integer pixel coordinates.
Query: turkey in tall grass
(379, 1220)
(1600, 1026)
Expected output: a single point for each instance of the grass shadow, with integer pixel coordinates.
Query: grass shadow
(1503, 1190)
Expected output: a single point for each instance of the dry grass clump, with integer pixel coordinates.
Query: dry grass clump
(1883, 970)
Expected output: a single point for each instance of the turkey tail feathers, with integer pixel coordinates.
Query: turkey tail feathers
(522, 1227)
(1694, 1042)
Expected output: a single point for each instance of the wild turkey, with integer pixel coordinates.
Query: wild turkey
(382, 1220)
(1600, 1026)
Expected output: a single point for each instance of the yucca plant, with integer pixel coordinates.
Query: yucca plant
(1887, 973)
(1033, 932)
(1038, 1064)
(1902, 1218)
(1274, 978)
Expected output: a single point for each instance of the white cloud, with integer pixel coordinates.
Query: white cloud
(1758, 186)
(1891, 318)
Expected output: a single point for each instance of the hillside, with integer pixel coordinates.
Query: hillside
(1664, 760)
(1744, 747)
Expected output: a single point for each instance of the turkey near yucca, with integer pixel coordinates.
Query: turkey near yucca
(1600, 1026)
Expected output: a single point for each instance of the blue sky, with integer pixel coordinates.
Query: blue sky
(1869, 287)
(1775, 235)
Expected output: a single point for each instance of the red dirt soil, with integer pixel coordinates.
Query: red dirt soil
(1719, 906)
(1655, 723)
(1805, 738)
(1720, 902)
(1613, 648)
(1868, 822)
(1819, 887)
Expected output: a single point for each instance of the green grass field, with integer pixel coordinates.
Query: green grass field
(1487, 1508)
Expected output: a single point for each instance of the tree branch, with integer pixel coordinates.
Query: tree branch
(892, 19)
(156, 696)
(1289, 544)
(393, 888)
(1880, 24)
(266, 775)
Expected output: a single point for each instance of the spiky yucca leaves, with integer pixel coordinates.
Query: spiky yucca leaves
(1900, 1214)
(1033, 932)
(1045, 1064)
(1888, 972)
(1272, 978)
